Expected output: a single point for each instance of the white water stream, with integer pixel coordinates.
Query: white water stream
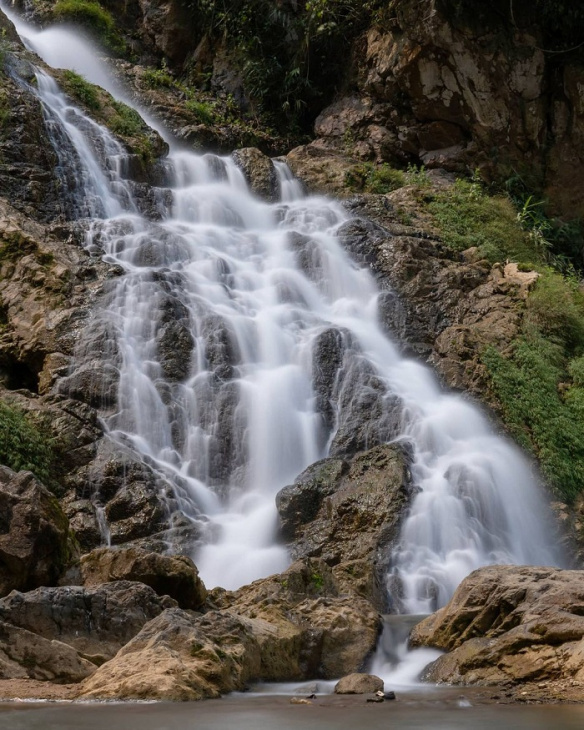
(254, 287)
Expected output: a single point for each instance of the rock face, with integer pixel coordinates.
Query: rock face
(36, 544)
(509, 624)
(96, 622)
(358, 684)
(294, 626)
(347, 512)
(438, 89)
(25, 655)
(175, 576)
(259, 172)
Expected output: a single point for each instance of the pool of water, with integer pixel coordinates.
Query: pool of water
(452, 712)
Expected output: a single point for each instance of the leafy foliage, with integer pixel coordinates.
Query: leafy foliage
(370, 178)
(292, 55)
(23, 446)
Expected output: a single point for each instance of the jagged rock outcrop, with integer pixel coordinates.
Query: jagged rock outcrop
(96, 621)
(173, 575)
(36, 543)
(445, 89)
(293, 626)
(347, 513)
(508, 624)
(259, 172)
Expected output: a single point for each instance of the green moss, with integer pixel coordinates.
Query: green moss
(126, 121)
(156, 78)
(24, 446)
(370, 178)
(91, 15)
(81, 90)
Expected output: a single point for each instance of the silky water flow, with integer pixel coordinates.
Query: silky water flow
(224, 312)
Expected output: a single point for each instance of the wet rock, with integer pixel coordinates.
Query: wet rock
(24, 654)
(36, 544)
(347, 512)
(95, 621)
(175, 576)
(359, 684)
(508, 624)
(259, 171)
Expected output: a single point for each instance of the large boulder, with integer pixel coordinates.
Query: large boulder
(173, 575)
(324, 632)
(512, 625)
(347, 512)
(177, 657)
(26, 655)
(293, 626)
(96, 622)
(36, 545)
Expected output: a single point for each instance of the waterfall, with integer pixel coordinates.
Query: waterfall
(219, 317)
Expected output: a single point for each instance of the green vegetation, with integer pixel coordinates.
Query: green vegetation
(92, 16)
(126, 121)
(292, 55)
(82, 90)
(370, 178)
(538, 381)
(156, 78)
(24, 446)
(203, 111)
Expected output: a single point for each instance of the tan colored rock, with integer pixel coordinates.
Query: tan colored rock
(24, 654)
(173, 575)
(509, 624)
(359, 684)
(177, 657)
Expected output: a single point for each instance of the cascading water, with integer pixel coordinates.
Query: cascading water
(223, 316)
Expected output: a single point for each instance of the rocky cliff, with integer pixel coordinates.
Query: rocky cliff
(424, 87)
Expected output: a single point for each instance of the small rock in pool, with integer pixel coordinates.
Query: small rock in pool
(299, 701)
(390, 695)
(375, 699)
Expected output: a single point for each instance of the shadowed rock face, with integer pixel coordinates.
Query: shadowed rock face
(36, 544)
(95, 621)
(509, 624)
(347, 512)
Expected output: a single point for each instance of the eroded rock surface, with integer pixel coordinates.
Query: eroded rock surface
(175, 576)
(508, 624)
(347, 513)
(95, 621)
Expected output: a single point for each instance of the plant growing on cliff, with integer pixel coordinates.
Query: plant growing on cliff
(91, 15)
(24, 446)
(82, 90)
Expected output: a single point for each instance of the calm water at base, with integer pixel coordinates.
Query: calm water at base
(276, 713)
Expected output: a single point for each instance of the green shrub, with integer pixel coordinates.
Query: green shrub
(126, 121)
(24, 446)
(370, 178)
(203, 111)
(155, 78)
(81, 89)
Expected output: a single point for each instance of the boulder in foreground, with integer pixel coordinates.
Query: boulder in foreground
(359, 684)
(508, 624)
